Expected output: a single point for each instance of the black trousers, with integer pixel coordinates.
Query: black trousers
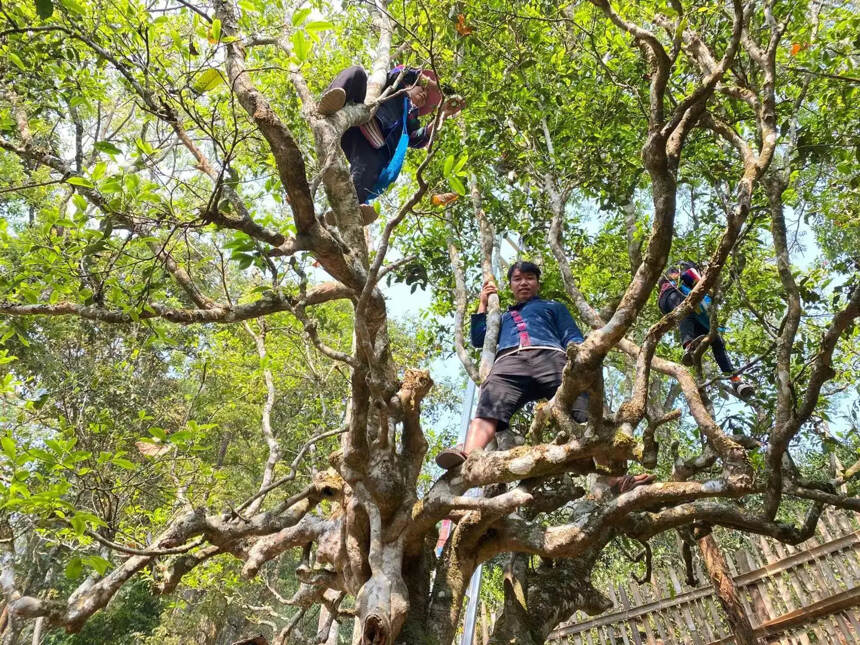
(365, 161)
(691, 327)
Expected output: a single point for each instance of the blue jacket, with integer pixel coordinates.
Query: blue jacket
(548, 323)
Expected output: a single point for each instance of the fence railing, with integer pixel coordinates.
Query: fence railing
(807, 594)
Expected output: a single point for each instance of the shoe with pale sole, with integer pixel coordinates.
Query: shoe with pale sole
(333, 100)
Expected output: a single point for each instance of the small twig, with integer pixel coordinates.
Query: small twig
(27, 186)
(292, 475)
(395, 265)
(646, 551)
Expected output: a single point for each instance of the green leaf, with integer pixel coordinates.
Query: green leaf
(17, 60)
(98, 171)
(108, 147)
(181, 436)
(79, 202)
(79, 523)
(216, 30)
(449, 164)
(80, 181)
(316, 26)
(457, 185)
(207, 80)
(460, 163)
(144, 147)
(111, 185)
(124, 463)
(248, 6)
(74, 568)
(9, 447)
(72, 5)
(158, 433)
(245, 260)
(300, 16)
(45, 8)
(96, 562)
(131, 181)
(301, 46)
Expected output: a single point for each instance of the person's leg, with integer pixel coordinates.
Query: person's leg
(718, 347)
(502, 394)
(481, 432)
(548, 369)
(692, 334)
(350, 85)
(365, 162)
(742, 389)
(690, 329)
(353, 81)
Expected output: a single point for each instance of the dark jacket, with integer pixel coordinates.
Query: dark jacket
(548, 324)
(366, 161)
(390, 114)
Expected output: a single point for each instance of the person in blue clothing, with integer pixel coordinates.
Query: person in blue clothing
(376, 149)
(673, 288)
(529, 364)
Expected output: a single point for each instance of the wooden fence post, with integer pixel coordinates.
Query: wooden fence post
(727, 593)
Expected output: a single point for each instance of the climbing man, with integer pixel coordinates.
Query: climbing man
(376, 149)
(529, 363)
(678, 281)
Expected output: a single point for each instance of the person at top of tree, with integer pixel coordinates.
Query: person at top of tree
(376, 149)
(673, 288)
(531, 357)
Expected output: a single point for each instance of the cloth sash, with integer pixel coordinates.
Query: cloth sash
(525, 341)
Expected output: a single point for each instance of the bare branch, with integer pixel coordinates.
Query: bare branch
(460, 310)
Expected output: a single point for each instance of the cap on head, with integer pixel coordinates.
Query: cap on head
(524, 267)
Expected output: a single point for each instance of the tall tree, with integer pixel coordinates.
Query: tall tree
(162, 168)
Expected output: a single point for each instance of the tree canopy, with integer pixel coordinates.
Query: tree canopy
(213, 383)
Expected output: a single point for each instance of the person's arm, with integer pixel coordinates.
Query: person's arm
(568, 331)
(419, 136)
(479, 320)
(671, 299)
(478, 329)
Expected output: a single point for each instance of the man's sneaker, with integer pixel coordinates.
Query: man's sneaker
(690, 350)
(333, 100)
(743, 390)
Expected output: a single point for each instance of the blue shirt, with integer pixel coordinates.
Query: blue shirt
(548, 324)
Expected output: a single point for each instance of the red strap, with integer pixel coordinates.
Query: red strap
(525, 341)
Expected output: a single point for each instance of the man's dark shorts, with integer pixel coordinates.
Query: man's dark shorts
(519, 377)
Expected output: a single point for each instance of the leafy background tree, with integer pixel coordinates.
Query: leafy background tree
(213, 414)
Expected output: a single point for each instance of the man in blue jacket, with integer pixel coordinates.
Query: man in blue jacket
(529, 364)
